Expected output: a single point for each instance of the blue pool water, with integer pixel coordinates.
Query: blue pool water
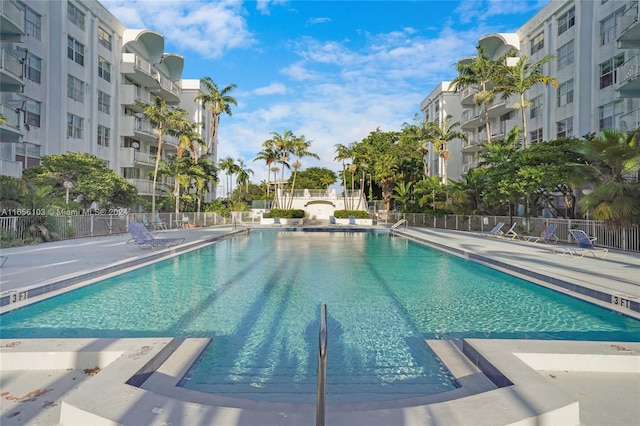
(258, 298)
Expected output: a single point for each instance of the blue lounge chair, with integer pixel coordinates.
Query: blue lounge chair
(546, 236)
(332, 220)
(276, 221)
(352, 220)
(143, 237)
(145, 222)
(585, 245)
(494, 232)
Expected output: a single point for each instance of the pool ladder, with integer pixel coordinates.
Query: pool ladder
(241, 224)
(321, 396)
(398, 223)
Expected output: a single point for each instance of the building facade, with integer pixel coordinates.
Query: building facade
(596, 46)
(74, 79)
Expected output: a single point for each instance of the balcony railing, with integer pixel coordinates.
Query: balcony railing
(11, 63)
(12, 115)
(10, 168)
(630, 120)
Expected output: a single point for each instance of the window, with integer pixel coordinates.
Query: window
(32, 114)
(130, 173)
(536, 136)
(564, 128)
(535, 109)
(75, 15)
(608, 28)
(32, 22)
(32, 68)
(74, 126)
(103, 136)
(104, 38)
(104, 102)
(565, 93)
(608, 70)
(565, 55)
(75, 50)
(607, 114)
(75, 88)
(104, 69)
(537, 43)
(566, 21)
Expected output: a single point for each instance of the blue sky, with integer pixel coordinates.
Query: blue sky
(332, 71)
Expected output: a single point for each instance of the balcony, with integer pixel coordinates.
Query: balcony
(140, 70)
(169, 91)
(130, 157)
(10, 130)
(145, 187)
(10, 168)
(10, 72)
(628, 78)
(630, 120)
(471, 119)
(499, 106)
(630, 28)
(466, 96)
(11, 22)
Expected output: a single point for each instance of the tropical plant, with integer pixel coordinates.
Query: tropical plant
(300, 149)
(283, 144)
(243, 175)
(269, 155)
(611, 166)
(344, 153)
(479, 73)
(402, 194)
(218, 102)
(167, 121)
(440, 134)
(229, 166)
(519, 79)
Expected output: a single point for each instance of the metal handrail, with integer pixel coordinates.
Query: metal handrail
(398, 223)
(322, 367)
(240, 223)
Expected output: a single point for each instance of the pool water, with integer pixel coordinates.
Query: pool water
(258, 298)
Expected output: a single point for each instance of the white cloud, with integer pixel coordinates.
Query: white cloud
(209, 29)
(272, 89)
(316, 21)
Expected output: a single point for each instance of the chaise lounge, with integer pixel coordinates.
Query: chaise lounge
(143, 237)
(584, 245)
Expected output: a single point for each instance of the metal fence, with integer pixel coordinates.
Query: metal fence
(46, 227)
(611, 237)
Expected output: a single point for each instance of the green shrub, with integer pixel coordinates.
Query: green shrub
(344, 214)
(285, 214)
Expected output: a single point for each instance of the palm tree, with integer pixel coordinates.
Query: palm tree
(479, 72)
(269, 156)
(440, 134)
(384, 173)
(519, 78)
(243, 175)
(228, 165)
(167, 120)
(189, 140)
(283, 144)
(299, 148)
(611, 166)
(343, 153)
(218, 102)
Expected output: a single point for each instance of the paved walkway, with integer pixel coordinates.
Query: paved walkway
(72, 261)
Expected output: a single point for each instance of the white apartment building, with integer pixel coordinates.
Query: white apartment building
(74, 79)
(596, 45)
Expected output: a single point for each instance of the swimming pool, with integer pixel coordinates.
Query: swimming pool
(257, 297)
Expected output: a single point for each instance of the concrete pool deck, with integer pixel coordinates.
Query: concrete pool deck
(51, 381)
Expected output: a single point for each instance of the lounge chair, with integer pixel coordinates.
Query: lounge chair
(185, 221)
(494, 232)
(585, 245)
(546, 236)
(143, 237)
(145, 222)
(352, 221)
(510, 234)
(160, 223)
(332, 220)
(276, 221)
